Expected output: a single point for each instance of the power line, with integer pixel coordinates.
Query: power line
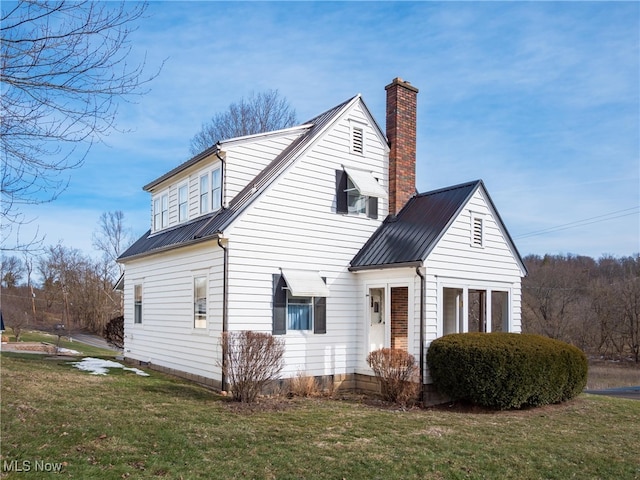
(587, 221)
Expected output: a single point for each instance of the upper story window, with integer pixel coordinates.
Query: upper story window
(216, 188)
(161, 212)
(356, 202)
(204, 193)
(183, 203)
(211, 191)
(357, 192)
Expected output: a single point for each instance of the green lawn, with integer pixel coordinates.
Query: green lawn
(126, 426)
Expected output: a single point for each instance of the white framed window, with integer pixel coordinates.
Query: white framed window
(183, 202)
(165, 210)
(157, 214)
(216, 188)
(161, 211)
(477, 230)
(204, 193)
(356, 202)
(299, 313)
(137, 303)
(200, 302)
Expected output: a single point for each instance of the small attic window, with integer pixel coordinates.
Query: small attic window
(477, 231)
(357, 140)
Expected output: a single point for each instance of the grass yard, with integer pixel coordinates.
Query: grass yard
(126, 426)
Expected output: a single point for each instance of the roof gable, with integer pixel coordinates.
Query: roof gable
(409, 237)
(209, 226)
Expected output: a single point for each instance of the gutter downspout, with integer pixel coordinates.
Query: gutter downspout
(225, 296)
(423, 296)
(223, 190)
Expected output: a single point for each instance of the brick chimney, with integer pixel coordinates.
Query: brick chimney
(401, 133)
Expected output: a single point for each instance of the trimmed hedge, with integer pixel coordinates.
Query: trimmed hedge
(506, 370)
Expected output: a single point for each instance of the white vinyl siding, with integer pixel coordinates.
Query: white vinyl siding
(295, 226)
(167, 337)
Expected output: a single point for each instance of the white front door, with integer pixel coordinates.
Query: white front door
(376, 319)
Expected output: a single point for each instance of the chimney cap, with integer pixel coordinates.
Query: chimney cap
(402, 83)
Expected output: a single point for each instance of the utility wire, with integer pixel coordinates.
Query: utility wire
(587, 221)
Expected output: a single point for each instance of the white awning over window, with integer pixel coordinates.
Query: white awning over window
(366, 184)
(305, 283)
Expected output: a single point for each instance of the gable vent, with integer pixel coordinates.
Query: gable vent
(476, 239)
(357, 140)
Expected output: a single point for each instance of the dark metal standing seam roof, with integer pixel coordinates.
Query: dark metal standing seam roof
(407, 238)
(208, 226)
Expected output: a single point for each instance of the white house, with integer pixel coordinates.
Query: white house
(316, 233)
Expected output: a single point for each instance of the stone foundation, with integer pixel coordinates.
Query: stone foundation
(339, 383)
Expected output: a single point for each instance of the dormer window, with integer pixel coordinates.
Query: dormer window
(204, 193)
(216, 189)
(211, 191)
(161, 212)
(183, 203)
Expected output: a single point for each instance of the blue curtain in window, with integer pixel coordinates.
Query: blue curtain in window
(299, 317)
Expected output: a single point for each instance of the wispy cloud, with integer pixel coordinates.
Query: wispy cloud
(541, 100)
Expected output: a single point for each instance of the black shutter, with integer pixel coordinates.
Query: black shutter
(341, 194)
(320, 313)
(372, 212)
(279, 326)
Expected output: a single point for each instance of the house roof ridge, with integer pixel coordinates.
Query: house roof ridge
(449, 188)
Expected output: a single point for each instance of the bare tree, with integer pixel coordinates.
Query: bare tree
(262, 112)
(112, 238)
(11, 271)
(77, 289)
(64, 71)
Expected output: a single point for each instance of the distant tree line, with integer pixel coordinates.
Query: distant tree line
(592, 304)
(72, 288)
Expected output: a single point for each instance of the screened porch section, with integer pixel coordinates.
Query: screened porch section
(474, 310)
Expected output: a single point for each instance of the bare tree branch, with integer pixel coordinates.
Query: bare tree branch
(262, 112)
(64, 71)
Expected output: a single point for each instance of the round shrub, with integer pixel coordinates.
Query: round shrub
(506, 370)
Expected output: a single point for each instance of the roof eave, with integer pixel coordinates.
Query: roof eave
(412, 264)
(166, 248)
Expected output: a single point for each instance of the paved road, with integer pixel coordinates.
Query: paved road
(623, 392)
(93, 340)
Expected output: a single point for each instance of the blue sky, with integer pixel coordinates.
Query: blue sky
(540, 100)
